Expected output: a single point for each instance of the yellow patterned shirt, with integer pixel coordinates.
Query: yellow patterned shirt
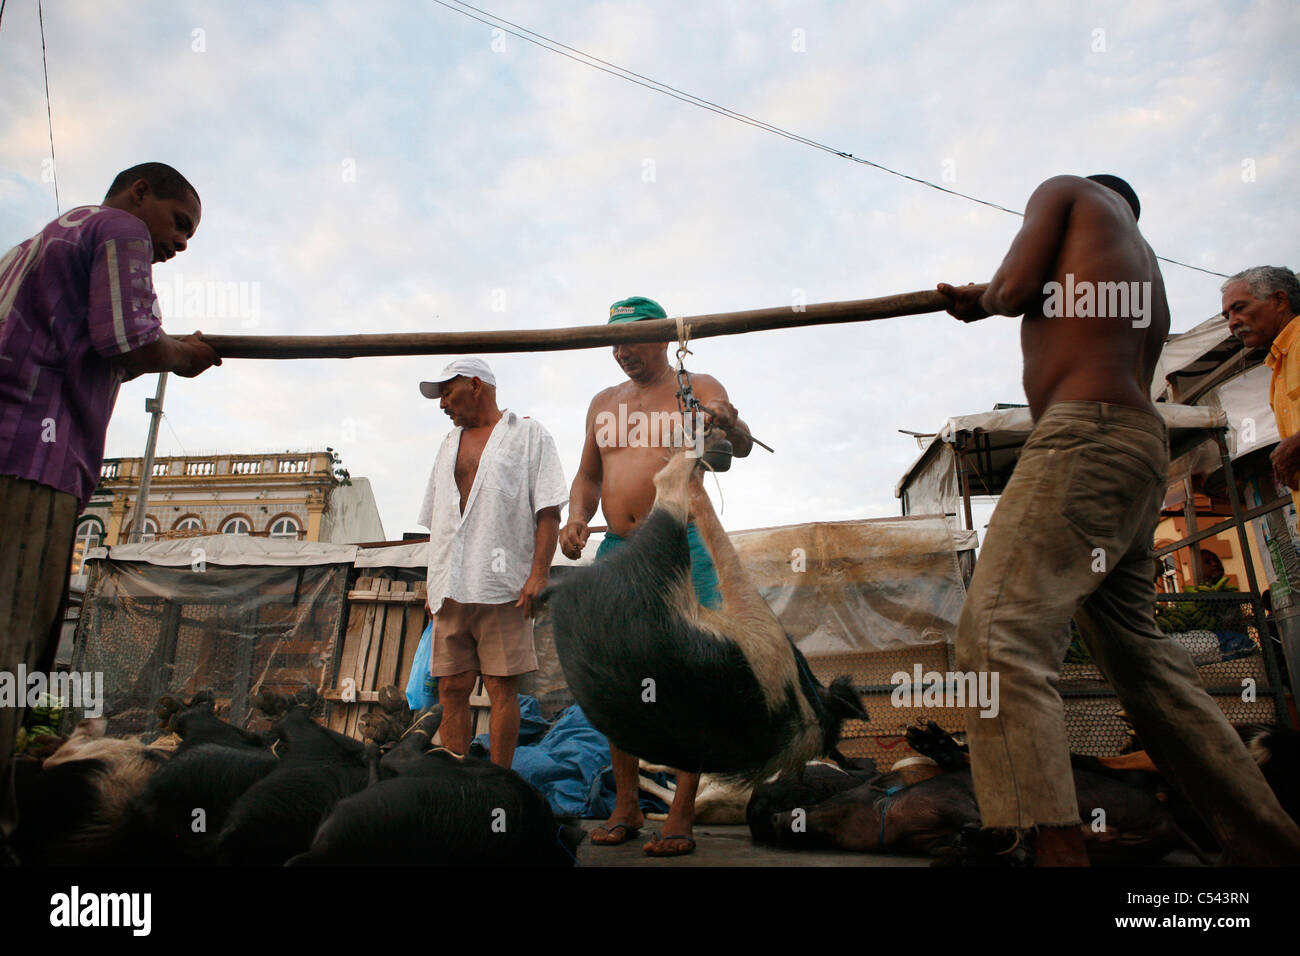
(1284, 390)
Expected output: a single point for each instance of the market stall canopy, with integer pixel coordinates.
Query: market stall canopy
(1194, 361)
(1209, 367)
(989, 444)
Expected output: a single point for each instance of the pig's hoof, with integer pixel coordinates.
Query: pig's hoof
(931, 740)
(979, 846)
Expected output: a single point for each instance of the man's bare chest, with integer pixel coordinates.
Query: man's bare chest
(468, 456)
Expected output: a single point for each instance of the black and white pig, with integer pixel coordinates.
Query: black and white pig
(68, 809)
(723, 691)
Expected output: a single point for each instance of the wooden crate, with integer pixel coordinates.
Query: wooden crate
(385, 621)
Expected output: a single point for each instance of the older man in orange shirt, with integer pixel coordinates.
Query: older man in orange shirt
(1261, 306)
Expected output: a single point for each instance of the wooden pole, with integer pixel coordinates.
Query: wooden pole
(580, 337)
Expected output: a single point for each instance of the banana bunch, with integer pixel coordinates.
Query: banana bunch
(1219, 585)
(1193, 615)
(40, 725)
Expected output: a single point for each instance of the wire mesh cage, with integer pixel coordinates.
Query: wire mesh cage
(153, 631)
(1234, 659)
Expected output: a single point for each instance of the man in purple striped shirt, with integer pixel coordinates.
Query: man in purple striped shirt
(78, 316)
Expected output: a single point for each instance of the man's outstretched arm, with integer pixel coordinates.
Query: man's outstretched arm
(187, 356)
(1018, 284)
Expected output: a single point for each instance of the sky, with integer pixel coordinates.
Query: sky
(399, 167)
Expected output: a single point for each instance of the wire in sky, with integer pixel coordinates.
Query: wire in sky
(168, 420)
(723, 110)
(54, 169)
(586, 59)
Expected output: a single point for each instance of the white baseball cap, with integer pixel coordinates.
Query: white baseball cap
(469, 367)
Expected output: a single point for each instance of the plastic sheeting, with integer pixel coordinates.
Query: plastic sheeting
(414, 555)
(935, 489)
(155, 630)
(998, 437)
(1244, 399)
(851, 586)
(1191, 358)
(229, 550)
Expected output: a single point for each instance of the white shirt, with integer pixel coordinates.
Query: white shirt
(485, 555)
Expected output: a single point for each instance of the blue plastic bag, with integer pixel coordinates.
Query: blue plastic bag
(421, 686)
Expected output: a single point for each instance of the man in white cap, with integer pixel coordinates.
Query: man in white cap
(492, 508)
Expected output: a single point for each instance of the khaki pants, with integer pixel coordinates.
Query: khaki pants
(37, 525)
(491, 639)
(1071, 537)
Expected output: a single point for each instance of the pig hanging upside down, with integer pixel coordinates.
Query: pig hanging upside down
(723, 691)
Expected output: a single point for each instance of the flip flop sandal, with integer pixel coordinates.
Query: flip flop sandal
(628, 833)
(671, 836)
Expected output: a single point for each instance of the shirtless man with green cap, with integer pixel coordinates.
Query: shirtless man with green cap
(623, 451)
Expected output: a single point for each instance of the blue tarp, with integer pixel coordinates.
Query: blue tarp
(532, 728)
(569, 763)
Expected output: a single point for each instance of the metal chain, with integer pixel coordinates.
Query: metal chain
(686, 400)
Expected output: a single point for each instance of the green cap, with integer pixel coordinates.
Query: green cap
(635, 309)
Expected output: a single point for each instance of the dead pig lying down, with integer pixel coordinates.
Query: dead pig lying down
(1125, 824)
(676, 683)
(1130, 814)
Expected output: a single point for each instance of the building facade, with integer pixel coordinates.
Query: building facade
(291, 495)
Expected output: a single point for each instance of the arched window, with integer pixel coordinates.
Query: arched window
(285, 527)
(90, 532)
(148, 530)
(189, 523)
(236, 524)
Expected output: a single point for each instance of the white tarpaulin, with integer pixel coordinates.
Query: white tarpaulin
(1244, 399)
(228, 550)
(414, 555)
(993, 442)
(867, 585)
(1189, 358)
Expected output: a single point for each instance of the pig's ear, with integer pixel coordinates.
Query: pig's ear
(91, 727)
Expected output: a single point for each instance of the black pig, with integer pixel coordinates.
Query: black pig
(437, 809)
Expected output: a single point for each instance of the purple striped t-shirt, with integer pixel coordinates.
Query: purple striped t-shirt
(73, 296)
